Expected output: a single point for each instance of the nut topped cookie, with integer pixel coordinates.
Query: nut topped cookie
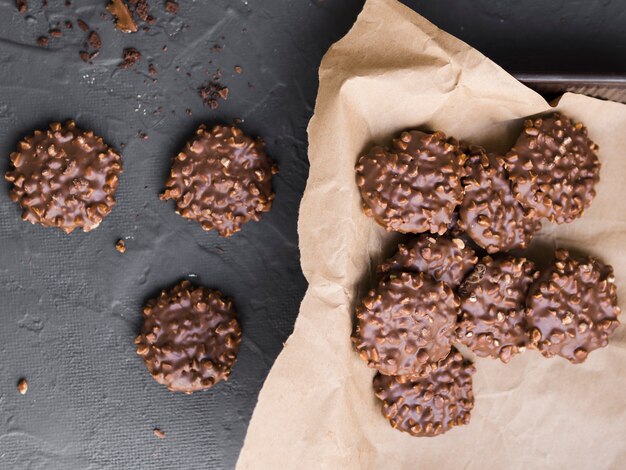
(554, 168)
(572, 307)
(493, 296)
(489, 213)
(190, 338)
(414, 185)
(406, 323)
(221, 179)
(432, 404)
(445, 259)
(64, 177)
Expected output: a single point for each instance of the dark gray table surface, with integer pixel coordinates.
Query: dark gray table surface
(70, 306)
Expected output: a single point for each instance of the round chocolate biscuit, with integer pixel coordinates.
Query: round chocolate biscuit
(190, 338)
(414, 185)
(405, 323)
(445, 259)
(64, 177)
(431, 404)
(489, 213)
(221, 179)
(553, 168)
(572, 307)
(493, 296)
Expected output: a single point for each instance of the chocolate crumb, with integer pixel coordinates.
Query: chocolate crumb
(43, 41)
(69, 25)
(211, 92)
(131, 56)
(120, 246)
(164, 49)
(22, 386)
(238, 69)
(217, 48)
(142, 135)
(22, 6)
(152, 70)
(188, 111)
(158, 433)
(82, 25)
(55, 33)
(123, 17)
(141, 10)
(94, 41)
(171, 7)
(84, 55)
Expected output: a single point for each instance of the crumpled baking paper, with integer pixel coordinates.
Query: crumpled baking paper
(395, 70)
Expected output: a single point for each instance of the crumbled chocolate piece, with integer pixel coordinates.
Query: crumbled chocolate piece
(158, 433)
(238, 69)
(172, 7)
(489, 213)
(190, 338)
(69, 25)
(413, 186)
(432, 404)
(553, 168)
(152, 70)
(123, 18)
(445, 259)
(572, 307)
(211, 92)
(82, 25)
(121, 246)
(22, 386)
(492, 321)
(55, 33)
(94, 41)
(406, 324)
(22, 6)
(43, 41)
(131, 57)
(64, 177)
(221, 179)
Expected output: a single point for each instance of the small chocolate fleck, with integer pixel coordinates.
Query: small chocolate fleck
(131, 56)
(22, 386)
(94, 41)
(82, 25)
(120, 246)
(22, 6)
(43, 41)
(172, 7)
(69, 25)
(238, 69)
(152, 70)
(158, 433)
(211, 92)
(55, 33)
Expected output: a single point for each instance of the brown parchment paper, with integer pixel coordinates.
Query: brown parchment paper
(395, 70)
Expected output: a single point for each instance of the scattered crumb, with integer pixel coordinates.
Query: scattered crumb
(188, 111)
(43, 41)
(164, 48)
(171, 7)
(22, 6)
(131, 57)
(211, 92)
(238, 69)
(120, 246)
(141, 9)
(22, 386)
(217, 48)
(68, 3)
(94, 41)
(123, 18)
(142, 135)
(152, 70)
(158, 433)
(55, 33)
(69, 25)
(82, 25)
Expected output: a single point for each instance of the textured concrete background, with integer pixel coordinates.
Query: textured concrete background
(70, 305)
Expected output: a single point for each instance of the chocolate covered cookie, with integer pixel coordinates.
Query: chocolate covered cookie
(572, 307)
(64, 177)
(221, 179)
(493, 296)
(445, 259)
(489, 213)
(432, 404)
(406, 323)
(190, 338)
(553, 168)
(414, 185)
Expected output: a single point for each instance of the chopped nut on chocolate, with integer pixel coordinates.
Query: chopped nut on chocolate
(221, 179)
(406, 324)
(554, 168)
(431, 404)
(190, 338)
(413, 186)
(572, 307)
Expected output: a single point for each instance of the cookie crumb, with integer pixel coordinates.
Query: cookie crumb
(158, 433)
(120, 246)
(22, 386)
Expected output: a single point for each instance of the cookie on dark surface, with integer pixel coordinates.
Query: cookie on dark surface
(445, 259)
(572, 307)
(489, 213)
(432, 404)
(554, 168)
(64, 177)
(493, 297)
(190, 338)
(414, 185)
(406, 323)
(221, 179)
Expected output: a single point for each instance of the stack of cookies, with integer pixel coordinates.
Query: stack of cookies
(454, 285)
